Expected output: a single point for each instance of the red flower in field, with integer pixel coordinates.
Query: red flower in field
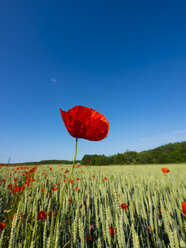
(149, 228)
(112, 230)
(105, 178)
(86, 123)
(71, 181)
(77, 189)
(89, 238)
(2, 226)
(124, 206)
(93, 176)
(87, 161)
(43, 190)
(42, 215)
(91, 226)
(77, 179)
(3, 180)
(15, 180)
(70, 200)
(165, 170)
(9, 185)
(28, 183)
(51, 169)
(33, 179)
(54, 188)
(51, 213)
(184, 207)
(66, 171)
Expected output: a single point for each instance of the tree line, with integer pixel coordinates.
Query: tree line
(170, 153)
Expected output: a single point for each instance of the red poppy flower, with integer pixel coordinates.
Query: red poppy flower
(93, 176)
(54, 188)
(51, 213)
(43, 189)
(112, 230)
(165, 170)
(77, 189)
(124, 206)
(9, 185)
(70, 200)
(105, 178)
(86, 123)
(91, 226)
(42, 215)
(2, 226)
(89, 238)
(184, 207)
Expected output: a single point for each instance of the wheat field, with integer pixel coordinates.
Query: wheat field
(92, 213)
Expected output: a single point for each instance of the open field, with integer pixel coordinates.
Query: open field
(92, 213)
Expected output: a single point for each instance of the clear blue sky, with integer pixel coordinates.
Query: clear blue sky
(125, 59)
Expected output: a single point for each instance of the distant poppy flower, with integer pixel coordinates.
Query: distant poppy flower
(51, 213)
(184, 207)
(77, 189)
(93, 176)
(9, 185)
(70, 200)
(105, 178)
(124, 206)
(42, 215)
(3, 180)
(91, 226)
(54, 188)
(165, 170)
(77, 179)
(71, 181)
(51, 169)
(15, 180)
(89, 238)
(28, 183)
(66, 171)
(112, 230)
(43, 190)
(2, 226)
(86, 123)
(149, 228)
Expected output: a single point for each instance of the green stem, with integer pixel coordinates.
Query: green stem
(63, 189)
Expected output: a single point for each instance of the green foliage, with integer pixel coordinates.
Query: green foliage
(170, 153)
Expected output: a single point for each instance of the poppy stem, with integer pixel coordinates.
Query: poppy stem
(63, 192)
